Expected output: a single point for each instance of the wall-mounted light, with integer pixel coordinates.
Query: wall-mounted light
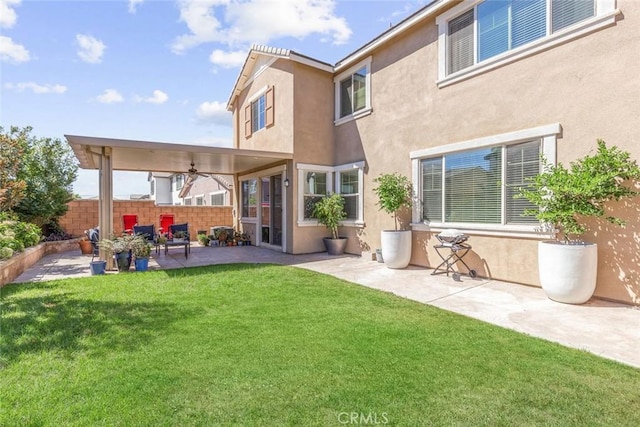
(286, 182)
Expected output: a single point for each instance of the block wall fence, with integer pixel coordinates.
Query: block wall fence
(83, 214)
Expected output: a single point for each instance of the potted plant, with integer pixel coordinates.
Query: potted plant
(141, 251)
(567, 265)
(329, 211)
(394, 193)
(86, 247)
(121, 248)
(203, 239)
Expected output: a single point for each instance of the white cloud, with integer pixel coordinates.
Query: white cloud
(36, 88)
(158, 97)
(214, 112)
(110, 96)
(257, 21)
(12, 52)
(8, 16)
(228, 59)
(90, 49)
(133, 5)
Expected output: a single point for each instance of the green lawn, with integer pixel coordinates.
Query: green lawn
(272, 345)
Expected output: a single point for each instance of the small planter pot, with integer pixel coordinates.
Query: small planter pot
(335, 246)
(98, 267)
(123, 260)
(142, 264)
(86, 248)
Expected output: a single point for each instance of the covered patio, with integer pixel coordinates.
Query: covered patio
(108, 154)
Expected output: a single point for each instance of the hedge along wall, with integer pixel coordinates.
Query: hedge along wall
(83, 214)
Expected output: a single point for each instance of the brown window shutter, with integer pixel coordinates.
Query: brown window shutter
(268, 109)
(247, 121)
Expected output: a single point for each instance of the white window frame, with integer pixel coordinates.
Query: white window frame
(605, 16)
(366, 63)
(548, 135)
(249, 219)
(333, 185)
(180, 178)
(186, 201)
(216, 193)
(199, 197)
(252, 100)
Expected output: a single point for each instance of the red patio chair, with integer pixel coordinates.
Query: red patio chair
(165, 221)
(128, 221)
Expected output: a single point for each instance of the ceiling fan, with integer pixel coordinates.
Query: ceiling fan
(193, 172)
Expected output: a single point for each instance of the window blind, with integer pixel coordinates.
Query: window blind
(529, 21)
(460, 42)
(432, 189)
(567, 12)
(473, 190)
(523, 162)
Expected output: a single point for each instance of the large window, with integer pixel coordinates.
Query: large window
(250, 198)
(353, 92)
(471, 36)
(476, 183)
(179, 180)
(467, 187)
(314, 182)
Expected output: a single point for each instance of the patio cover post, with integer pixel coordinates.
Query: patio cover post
(105, 200)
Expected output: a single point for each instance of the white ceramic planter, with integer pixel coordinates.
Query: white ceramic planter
(396, 248)
(568, 272)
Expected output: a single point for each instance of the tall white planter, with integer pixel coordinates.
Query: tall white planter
(568, 272)
(396, 248)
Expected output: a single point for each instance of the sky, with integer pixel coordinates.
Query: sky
(158, 70)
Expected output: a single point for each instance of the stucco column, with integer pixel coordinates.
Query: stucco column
(105, 200)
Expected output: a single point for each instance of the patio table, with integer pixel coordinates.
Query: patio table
(177, 242)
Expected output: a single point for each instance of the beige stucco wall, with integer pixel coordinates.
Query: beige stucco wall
(589, 85)
(278, 137)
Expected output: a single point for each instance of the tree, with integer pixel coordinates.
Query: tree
(12, 147)
(48, 169)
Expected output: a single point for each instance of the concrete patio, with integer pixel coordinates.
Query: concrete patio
(604, 328)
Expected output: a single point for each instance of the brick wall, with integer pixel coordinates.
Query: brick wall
(83, 214)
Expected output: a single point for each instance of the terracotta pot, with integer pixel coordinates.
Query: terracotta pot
(86, 247)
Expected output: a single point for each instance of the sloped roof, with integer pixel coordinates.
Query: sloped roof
(258, 50)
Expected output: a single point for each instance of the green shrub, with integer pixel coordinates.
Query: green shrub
(16, 235)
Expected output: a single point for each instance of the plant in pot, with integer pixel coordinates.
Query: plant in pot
(395, 193)
(329, 211)
(141, 251)
(120, 247)
(86, 247)
(563, 196)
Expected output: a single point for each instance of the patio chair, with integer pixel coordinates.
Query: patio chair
(165, 221)
(128, 222)
(149, 231)
(175, 228)
(94, 238)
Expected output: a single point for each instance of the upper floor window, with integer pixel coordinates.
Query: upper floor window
(199, 200)
(179, 179)
(475, 183)
(217, 199)
(259, 111)
(152, 190)
(482, 32)
(187, 201)
(353, 92)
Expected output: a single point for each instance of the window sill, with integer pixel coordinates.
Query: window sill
(312, 223)
(563, 36)
(352, 117)
(527, 232)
